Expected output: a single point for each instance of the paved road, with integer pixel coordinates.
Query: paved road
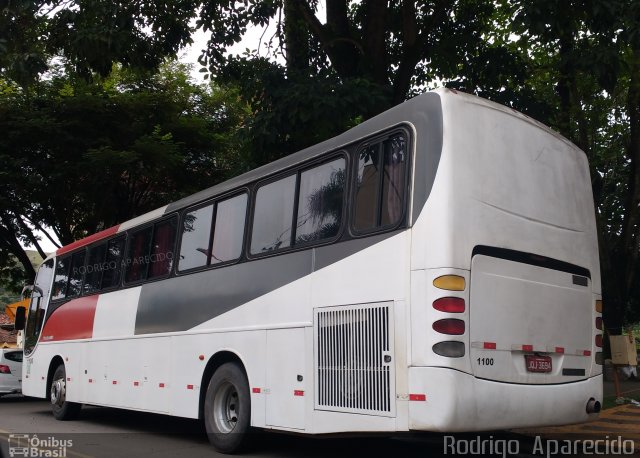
(104, 432)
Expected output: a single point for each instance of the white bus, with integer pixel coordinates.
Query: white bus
(432, 269)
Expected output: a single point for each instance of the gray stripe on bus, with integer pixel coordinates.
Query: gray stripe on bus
(183, 302)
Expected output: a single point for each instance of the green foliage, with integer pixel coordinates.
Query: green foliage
(81, 156)
(115, 141)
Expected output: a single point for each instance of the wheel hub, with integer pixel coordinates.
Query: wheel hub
(58, 392)
(226, 408)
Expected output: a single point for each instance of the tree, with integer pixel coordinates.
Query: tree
(581, 74)
(79, 157)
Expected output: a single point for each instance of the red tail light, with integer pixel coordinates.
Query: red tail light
(449, 326)
(599, 323)
(4, 369)
(449, 304)
(599, 340)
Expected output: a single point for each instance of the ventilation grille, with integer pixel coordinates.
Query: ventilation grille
(354, 359)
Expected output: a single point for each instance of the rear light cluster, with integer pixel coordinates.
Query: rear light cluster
(450, 326)
(4, 369)
(599, 326)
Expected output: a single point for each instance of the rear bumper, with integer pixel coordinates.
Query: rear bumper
(457, 401)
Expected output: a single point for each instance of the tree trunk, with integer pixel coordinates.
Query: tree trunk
(630, 232)
(296, 38)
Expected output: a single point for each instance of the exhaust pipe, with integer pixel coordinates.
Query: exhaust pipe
(593, 406)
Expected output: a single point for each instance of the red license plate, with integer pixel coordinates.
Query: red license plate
(538, 363)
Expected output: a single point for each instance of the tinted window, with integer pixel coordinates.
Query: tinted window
(38, 306)
(380, 186)
(94, 268)
(367, 188)
(61, 277)
(229, 229)
(393, 179)
(138, 255)
(273, 216)
(161, 258)
(14, 356)
(113, 263)
(196, 232)
(320, 202)
(76, 274)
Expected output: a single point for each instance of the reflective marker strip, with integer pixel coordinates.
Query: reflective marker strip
(90, 380)
(161, 385)
(68, 379)
(136, 383)
(256, 390)
(586, 353)
(485, 345)
(417, 397)
(559, 349)
(527, 348)
(115, 382)
(189, 387)
(298, 393)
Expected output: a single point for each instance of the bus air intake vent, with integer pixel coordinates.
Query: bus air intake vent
(355, 360)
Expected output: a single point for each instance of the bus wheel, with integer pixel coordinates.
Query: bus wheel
(227, 408)
(62, 409)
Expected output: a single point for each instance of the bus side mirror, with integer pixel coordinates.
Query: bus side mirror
(21, 318)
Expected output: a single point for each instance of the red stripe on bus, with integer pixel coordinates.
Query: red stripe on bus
(417, 397)
(587, 353)
(559, 349)
(87, 240)
(527, 348)
(489, 346)
(71, 321)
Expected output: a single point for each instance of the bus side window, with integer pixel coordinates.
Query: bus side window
(138, 255)
(76, 273)
(94, 269)
(229, 229)
(61, 278)
(320, 203)
(380, 186)
(162, 247)
(113, 263)
(196, 235)
(273, 216)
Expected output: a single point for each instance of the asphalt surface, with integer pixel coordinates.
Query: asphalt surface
(107, 432)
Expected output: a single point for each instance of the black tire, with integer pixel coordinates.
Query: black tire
(62, 409)
(227, 409)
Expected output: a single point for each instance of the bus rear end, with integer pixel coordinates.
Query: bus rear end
(506, 305)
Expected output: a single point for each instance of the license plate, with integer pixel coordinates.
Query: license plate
(538, 363)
